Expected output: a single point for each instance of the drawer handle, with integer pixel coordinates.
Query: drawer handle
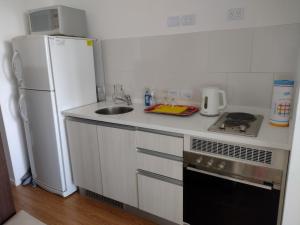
(159, 132)
(231, 179)
(101, 123)
(159, 177)
(159, 154)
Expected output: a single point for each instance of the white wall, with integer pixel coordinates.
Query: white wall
(291, 214)
(118, 18)
(243, 62)
(12, 23)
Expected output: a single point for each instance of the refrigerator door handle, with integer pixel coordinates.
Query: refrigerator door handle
(14, 69)
(16, 53)
(21, 108)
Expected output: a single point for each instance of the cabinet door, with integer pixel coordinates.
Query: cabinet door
(118, 164)
(85, 157)
(162, 198)
(7, 208)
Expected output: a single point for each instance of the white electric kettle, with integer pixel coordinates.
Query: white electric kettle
(210, 104)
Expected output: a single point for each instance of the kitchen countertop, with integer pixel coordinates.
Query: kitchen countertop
(195, 125)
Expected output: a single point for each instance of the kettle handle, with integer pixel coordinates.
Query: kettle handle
(221, 92)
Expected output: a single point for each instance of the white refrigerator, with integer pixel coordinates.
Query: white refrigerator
(54, 74)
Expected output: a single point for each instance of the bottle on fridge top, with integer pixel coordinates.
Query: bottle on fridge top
(281, 102)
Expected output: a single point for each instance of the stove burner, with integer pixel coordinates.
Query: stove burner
(237, 119)
(238, 123)
(243, 125)
(238, 116)
(234, 123)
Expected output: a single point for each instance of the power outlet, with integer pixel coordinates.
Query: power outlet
(188, 20)
(234, 14)
(186, 94)
(173, 21)
(173, 93)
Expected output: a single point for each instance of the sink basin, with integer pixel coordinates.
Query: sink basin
(114, 110)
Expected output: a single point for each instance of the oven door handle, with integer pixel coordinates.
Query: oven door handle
(267, 187)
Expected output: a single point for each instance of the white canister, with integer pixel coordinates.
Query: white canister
(281, 102)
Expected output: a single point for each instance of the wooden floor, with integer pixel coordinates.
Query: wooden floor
(74, 210)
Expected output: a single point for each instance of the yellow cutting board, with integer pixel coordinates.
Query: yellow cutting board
(170, 109)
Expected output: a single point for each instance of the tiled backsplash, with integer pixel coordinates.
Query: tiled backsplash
(243, 62)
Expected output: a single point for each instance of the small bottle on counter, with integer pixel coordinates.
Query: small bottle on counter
(147, 97)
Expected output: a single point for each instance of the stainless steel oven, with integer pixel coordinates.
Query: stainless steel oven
(220, 188)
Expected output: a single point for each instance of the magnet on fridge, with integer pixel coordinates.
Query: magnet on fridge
(89, 42)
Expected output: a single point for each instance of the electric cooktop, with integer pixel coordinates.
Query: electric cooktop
(238, 123)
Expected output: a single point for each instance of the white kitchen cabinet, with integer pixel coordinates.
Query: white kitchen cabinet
(118, 163)
(138, 168)
(85, 157)
(161, 197)
(159, 163)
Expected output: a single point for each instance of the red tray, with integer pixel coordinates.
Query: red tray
(188, 112)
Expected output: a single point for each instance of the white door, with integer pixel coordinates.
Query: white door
(31, 62)
(85, 157)
(118, 164)
(39, 113)
(73, 71)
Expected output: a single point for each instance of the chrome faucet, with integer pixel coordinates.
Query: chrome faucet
(125, 98)
(120, 95)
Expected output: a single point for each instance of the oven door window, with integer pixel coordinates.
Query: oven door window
(210, 200)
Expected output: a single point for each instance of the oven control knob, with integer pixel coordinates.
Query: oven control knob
(199, 160)
(221, 165)
(210, 163)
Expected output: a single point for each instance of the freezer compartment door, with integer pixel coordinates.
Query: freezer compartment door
(38, 110)
(73, 71)
(31, 62)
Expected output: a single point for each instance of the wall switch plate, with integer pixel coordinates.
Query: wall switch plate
(186, 94)
(173, 21)
(235, 14)
(172, 93)
(188, 20)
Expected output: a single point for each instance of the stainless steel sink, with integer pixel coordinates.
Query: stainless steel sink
(114, 110)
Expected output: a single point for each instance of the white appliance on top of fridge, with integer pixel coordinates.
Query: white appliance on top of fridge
(54, 73)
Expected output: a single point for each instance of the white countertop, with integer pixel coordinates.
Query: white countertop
(195, 125)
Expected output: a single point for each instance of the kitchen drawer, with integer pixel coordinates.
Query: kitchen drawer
(162, 164)
(161, 198)
(159, 142)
